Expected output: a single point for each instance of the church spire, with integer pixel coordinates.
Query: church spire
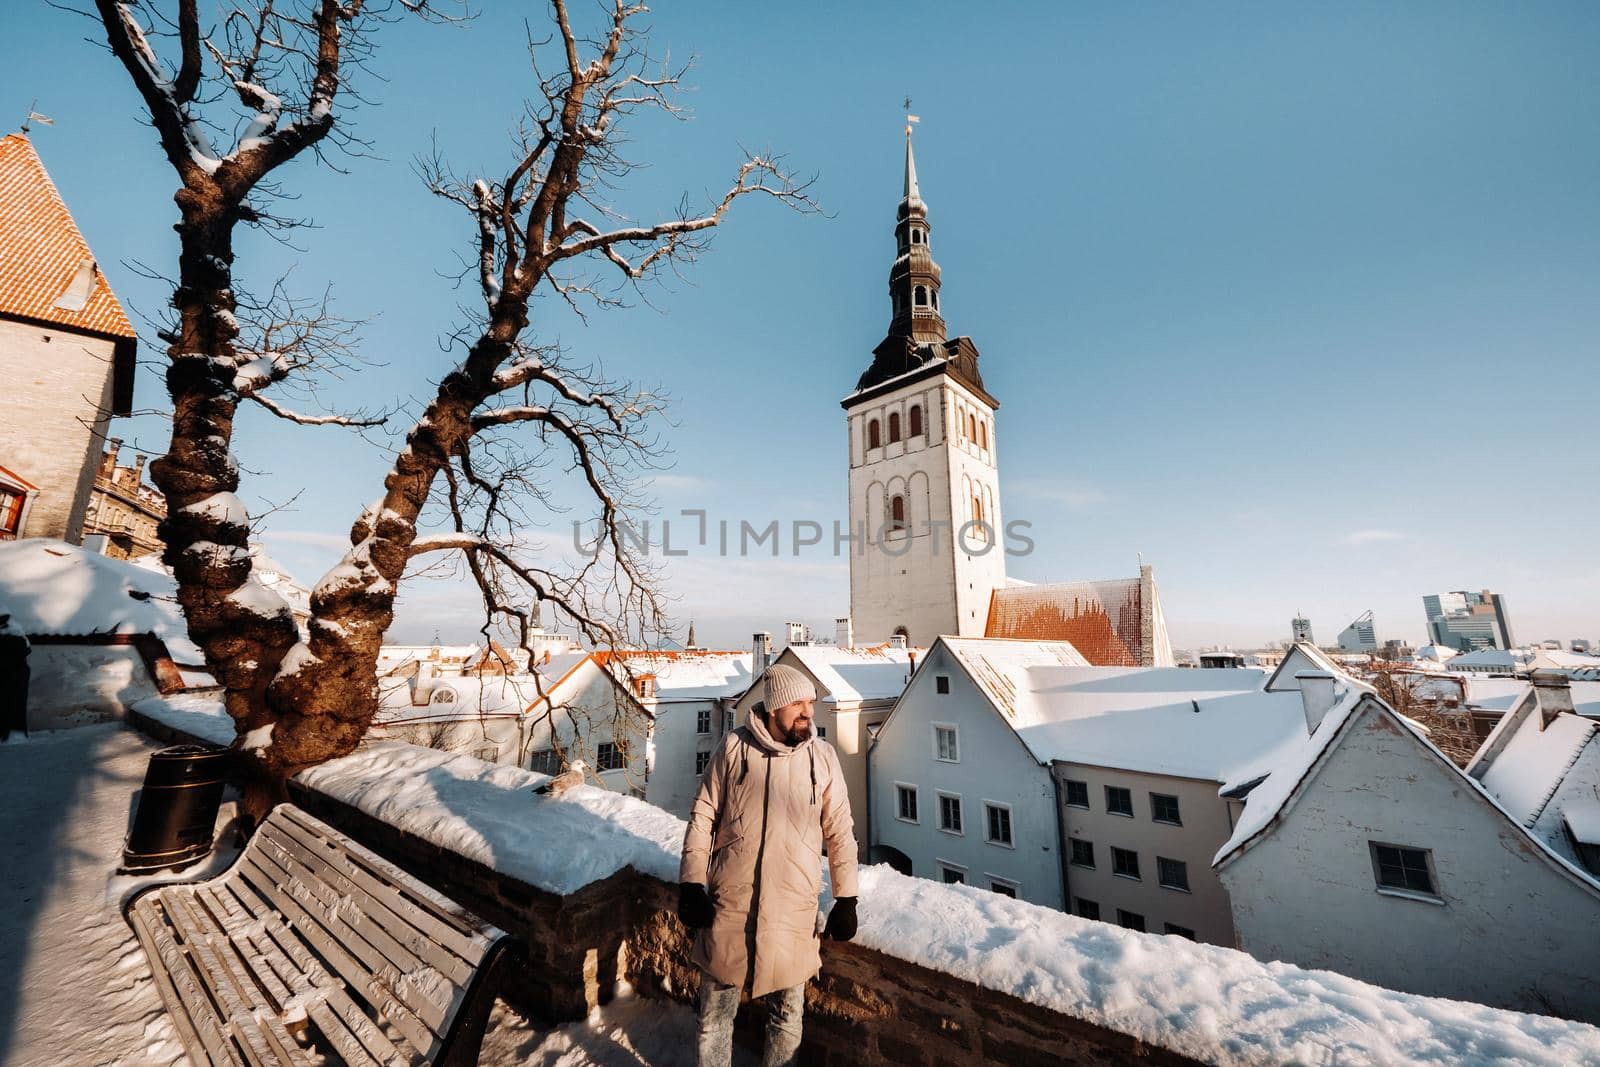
(914, 278)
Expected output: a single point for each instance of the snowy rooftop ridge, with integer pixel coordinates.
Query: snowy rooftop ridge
(858, 673)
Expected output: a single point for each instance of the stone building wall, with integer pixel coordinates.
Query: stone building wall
(57, 404)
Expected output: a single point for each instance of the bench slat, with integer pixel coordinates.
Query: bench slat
(452, 918)
(388, 915)
(222, 973)
(303, 912)
(343, 1042)
(419, 1030)
(192, 1013)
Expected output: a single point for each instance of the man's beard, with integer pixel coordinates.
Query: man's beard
(797, 734)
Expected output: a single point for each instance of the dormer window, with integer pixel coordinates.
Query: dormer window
(645, 685)
(894, 426)
(872, 434)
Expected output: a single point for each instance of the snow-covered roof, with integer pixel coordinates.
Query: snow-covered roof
(1486, 659)
(392, 657)
(53, 588)
(873, 672)
(1435, 653)
(697, 674)
(469, 696)
(1557, 659)
(1493, 694)
(1161, 720)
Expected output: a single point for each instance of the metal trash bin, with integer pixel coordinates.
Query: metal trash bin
(177, 811)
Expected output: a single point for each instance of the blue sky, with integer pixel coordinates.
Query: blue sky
(1301, 302)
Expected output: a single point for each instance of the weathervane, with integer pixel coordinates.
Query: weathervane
(910, 118)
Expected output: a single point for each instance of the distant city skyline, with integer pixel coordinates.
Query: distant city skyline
(1286, 300)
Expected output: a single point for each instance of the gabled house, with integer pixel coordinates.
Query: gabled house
(1017, 766)
(1542, 763)
(645, 722)
(1365, 850)
(68, 353)
(856, 691)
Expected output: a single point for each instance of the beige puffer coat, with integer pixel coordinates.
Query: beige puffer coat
(755, 841)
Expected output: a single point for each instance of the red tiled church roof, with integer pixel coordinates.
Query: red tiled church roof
(1101, 619)
(43, 255)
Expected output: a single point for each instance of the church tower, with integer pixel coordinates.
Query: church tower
(924, 484)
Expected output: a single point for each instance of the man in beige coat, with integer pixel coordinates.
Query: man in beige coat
(773, 793)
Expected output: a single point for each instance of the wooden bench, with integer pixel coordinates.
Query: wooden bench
(309, 931)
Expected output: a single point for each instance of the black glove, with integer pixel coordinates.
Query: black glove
(694, 906)
(841, 920)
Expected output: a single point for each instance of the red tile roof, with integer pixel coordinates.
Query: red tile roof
(41, 254)
(1101, 619)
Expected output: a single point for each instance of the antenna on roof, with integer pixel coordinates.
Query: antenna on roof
(34, 116)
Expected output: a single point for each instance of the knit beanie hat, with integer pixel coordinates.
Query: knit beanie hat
(785, 685)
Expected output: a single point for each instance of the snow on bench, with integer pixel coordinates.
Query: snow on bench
(310, 929)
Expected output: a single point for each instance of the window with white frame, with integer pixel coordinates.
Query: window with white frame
(544, 761)
(941, 684)
(1004, 886)
(608, 757)
(1124, 863)
(1130, 919)
(1088, 909)
(906, 802)
(950, 813)
(701, 761)
(702, 721)
(1404, 870)
(730, 722)
(1082, 853)
(1172, 874)
(997, 818)
(1119, 801)
(952, 874)
(945, 743)
(1077, 794)
(1164, 808)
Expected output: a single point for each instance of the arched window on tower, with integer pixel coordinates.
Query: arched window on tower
(894, 426)
(980, 532)
(897, 512)
(983, 436)
(972, 427)
(872, 434)
(922, 296)
(936, 300)
(916, 420)
(916, 237)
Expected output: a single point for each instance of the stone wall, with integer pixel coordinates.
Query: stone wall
(865, 1008)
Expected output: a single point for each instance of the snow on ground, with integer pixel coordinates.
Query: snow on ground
(75, 989)
(631, 1031)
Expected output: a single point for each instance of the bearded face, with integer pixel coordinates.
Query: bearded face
(792, 723)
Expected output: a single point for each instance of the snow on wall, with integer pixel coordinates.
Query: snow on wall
(74, 685)
(1211, 1003)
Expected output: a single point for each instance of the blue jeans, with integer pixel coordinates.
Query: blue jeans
(718, 1005)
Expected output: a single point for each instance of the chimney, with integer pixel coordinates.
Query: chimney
(427, 672)
(138, 469)
(108, 462)
(760, 652)
(1553, 690)
(1317, 695)
(897, 641)
(844, 634)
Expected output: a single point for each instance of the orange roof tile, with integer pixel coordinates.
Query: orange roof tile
(1101, 619)
(43, 255)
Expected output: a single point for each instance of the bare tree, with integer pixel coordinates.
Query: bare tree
(1450, 730)
(478, 463)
